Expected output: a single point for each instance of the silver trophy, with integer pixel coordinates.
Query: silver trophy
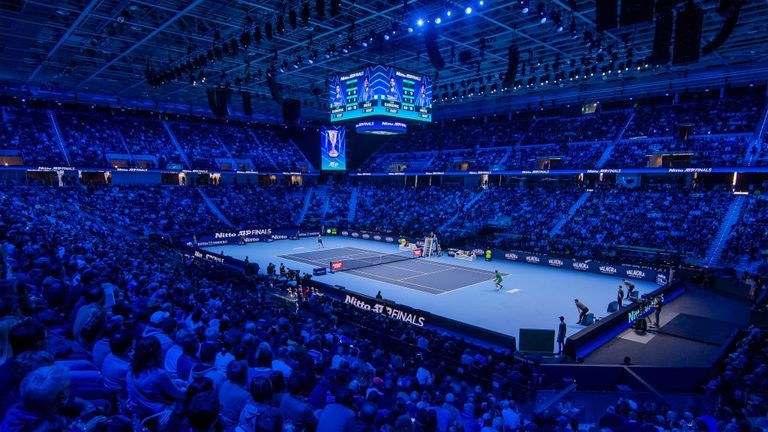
(333, 136)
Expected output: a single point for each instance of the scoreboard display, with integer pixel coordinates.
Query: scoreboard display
(380, 91)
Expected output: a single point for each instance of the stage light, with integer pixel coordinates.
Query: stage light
(448, 13)
(543, 19)
(386, 36)
(468, 10)
(410, 29)
(420, 22)
(438, 20)
(482, 2)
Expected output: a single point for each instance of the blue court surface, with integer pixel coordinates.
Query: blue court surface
(434, 277)
(533, 296)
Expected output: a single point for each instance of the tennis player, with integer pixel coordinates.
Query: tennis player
(320, 241)
(499, 280)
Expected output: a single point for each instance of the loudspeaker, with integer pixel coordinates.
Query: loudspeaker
(662, 38)
(733, 7)
(465, 57)
(513, 60)
(13, 5)
(430, 40)
(211, 96)
(247, 108)
(606, 14)
(291, 111)
(687, 35)
(335, 7)
(223, 95)
(636, 11)
(683, 132)
(274, 88)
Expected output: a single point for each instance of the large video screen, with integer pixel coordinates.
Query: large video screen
(381, 91)
(333, 148)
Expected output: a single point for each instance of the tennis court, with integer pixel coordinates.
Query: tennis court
(418, 274)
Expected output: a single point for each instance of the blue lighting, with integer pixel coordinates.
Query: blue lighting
(420, 22)
(468, 10)
(448, 13)
(482, 2)
(438, 20)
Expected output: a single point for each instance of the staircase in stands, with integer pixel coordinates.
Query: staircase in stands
(261, 148)
(59, 137)
(753, 150)
(177, 145)
(469, 204)
(715, 250)
(352, 205)
(607, 153)
(305, 207)
(214, 208)
(572, 211)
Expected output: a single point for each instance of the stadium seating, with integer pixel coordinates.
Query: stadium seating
(254, 206)
(749, 236)
(30, 132)
(89, 137)
(661, 218)
(699, 151)
(709, 116)
(162, 307)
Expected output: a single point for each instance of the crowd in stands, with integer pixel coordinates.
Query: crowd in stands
(146, 136)
(736, 114)
(29, 131)
(317, 207)
(258, 207)
(408, 210)
(242, 145)
(587, 128)
(743, 372)
(281, 151)
(556, 156)
(152, 209)
(102, 332)
(201, 144)
(664, 218)
(700, 151)
(749, 236)
(89, 138)
(522, 217)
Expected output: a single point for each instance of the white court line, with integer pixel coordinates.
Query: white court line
(426, 274)
(300, 247)
(394, 281)
(466, 286)
(513, 290)
(469, 269)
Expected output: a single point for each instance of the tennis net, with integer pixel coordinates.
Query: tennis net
(354, 263)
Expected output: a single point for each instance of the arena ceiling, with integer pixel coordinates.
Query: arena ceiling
(107, 47)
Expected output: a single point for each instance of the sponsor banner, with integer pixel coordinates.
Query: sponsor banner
(623, 271)
(389, 310)
(248, 236)
(209, 257)
(336, 266)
